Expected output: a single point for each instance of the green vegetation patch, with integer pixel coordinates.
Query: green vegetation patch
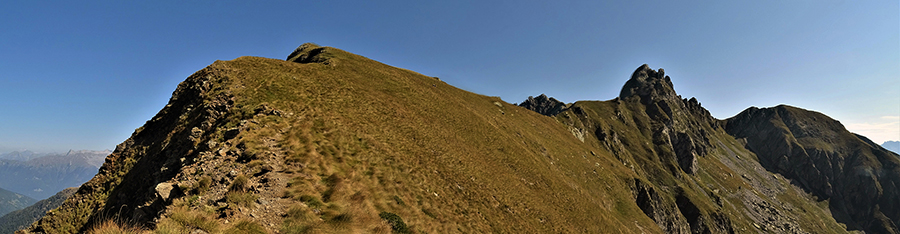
(395, 221)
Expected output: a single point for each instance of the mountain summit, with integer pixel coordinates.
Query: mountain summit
(648, 85)
(332, 142)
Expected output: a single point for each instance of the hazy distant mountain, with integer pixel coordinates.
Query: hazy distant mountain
(11, 201)
(20, 219)
(21, 155)
(892, 146)
(43, 176)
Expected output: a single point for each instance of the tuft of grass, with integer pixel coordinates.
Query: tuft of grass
(112, 227)
(311, 201)
(246, 227)
(182, 220)
(240, 184)
(244, 199)
(203, 184)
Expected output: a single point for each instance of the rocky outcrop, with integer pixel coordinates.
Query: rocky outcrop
(678, 124)
(665, 213)
(544, 105)
(310, 53)
(857, 177)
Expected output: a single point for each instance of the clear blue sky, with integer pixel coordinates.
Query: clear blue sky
(84, 75)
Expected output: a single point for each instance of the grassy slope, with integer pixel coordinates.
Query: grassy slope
(457, 160)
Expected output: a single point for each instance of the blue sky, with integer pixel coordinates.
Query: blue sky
(84, 75)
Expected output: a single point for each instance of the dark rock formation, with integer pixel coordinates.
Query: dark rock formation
(859, 178)
(649, 85)
(544, 105)
(678, 124)
(665, 214)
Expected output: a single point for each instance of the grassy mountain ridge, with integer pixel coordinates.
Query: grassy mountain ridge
(328, 141)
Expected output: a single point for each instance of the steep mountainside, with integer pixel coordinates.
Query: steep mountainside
(20, 219)
(858, 177)
(11, 201)
(329, 141)
(692, 176)
(44, 176)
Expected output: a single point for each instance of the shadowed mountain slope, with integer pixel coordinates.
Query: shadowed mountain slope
(332, 142)
(858, 177)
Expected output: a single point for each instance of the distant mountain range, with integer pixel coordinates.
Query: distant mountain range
(11, 201)
(20, 219)
(42, 175)
(892, 146)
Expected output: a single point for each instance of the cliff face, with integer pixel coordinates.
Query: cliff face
(817, 153)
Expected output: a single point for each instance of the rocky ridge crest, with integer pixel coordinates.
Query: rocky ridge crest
(544, 105)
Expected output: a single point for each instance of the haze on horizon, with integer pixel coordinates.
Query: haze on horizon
(84, 75)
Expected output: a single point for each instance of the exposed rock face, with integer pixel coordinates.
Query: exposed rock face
(859, 178)
(543, 105)
(665, 214)
(649, 85)
(677, 124)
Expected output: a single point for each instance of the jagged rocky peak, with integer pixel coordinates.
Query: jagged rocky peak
(544, 105)
(309, 53)
(648, 85)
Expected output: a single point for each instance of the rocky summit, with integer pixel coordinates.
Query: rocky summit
(331, 142)
(544, 105)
